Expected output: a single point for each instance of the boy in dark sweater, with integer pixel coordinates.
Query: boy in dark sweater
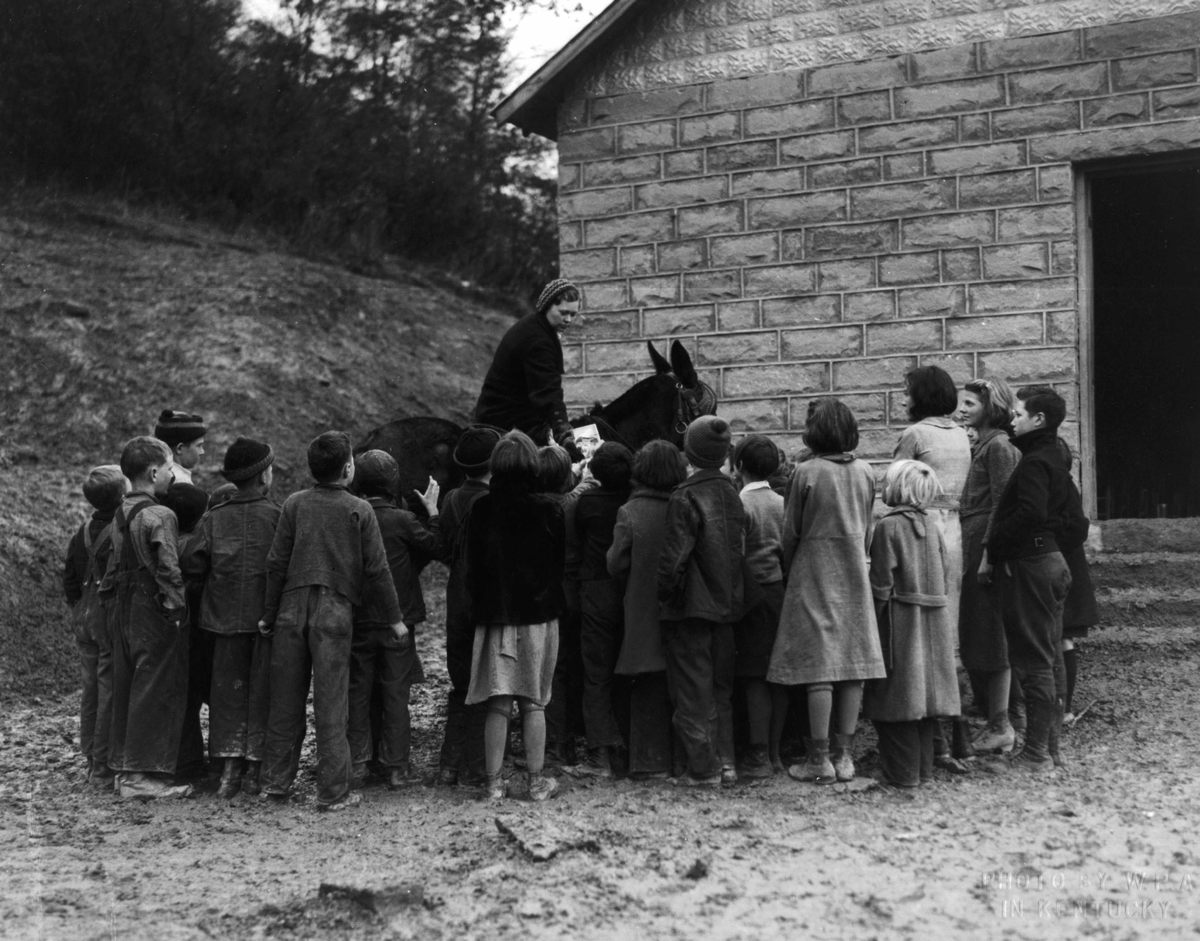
(229, 556)
(150, 641)
(327, 555)
(700, 593)
(379, 656)
(87, 558)
(1037, 519)
(461, 760)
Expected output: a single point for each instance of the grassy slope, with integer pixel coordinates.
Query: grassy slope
(106, 318)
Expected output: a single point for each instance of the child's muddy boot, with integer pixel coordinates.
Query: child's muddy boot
(231, 779)
(817, 768)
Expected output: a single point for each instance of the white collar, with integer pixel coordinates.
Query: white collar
(182, 474)
(757, 485)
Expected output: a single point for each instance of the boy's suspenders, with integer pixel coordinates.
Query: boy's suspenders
(128, 566)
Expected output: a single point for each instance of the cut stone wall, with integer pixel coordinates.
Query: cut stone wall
(821, 231)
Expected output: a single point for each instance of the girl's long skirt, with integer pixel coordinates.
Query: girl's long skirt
(514, 660)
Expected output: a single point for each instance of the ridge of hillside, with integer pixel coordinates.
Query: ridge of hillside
(107, 317)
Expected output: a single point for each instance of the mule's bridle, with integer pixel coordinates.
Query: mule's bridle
(690, 405)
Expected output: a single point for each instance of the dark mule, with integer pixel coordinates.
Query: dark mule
(659, 406)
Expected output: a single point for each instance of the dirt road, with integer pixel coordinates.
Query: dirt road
(1106, 849)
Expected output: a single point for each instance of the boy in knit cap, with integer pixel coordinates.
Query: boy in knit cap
(149, 637)
(326, 557)
(462, 746)
(381, 658)
(184, 435)
(700, 589)
(229, 555)
(87, 558)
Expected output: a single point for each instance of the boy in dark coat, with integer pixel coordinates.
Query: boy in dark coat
(150, 641)
(229, 555)
(327, 555)
(87, 559)
(1037, 518)
(461, 758)
(379, 655)
(700, 593)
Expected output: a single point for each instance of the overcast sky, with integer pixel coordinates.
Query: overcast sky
(537, 33)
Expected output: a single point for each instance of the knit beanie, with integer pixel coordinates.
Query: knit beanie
(105, 487)
(376, 474)
(474, 448)
(177, 428)
(550, 293)
(706, 441)
(245, 459)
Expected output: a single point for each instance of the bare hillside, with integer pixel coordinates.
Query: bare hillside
(107, 317)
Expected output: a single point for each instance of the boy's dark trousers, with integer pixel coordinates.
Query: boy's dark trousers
(602, 604)
(238, 700)
(651, 741)
(700, 663)
(149, 679)
(94, 637)
(376, 654)
(462, 742)
(1032, 591)
(312, 638)
(564, 712)
(199, 681)
(906, 751)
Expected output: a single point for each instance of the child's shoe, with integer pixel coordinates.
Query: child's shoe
(817, 768)
(541, 788)
(447, 775)
(596, 765)
(729, 774)
(756, 764)
(843, 761)
(251, 784)
(995, 738)
(136, 786)
(231, 779)
(690, 780)
(496, 789)
(351, 799)
(401, 776)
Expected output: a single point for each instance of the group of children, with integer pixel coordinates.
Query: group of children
(677, 621)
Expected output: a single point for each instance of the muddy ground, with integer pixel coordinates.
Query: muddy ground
(1105, 849)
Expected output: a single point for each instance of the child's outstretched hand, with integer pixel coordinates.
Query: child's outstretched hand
(400, 630)
(430, 497)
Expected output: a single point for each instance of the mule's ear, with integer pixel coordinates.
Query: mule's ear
(660, 364)
(681, 365)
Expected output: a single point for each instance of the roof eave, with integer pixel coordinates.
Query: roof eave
(533, 106)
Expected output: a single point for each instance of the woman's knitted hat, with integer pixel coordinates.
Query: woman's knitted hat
(550, 293)
(246, 458)
(706, 441)
(474, 448)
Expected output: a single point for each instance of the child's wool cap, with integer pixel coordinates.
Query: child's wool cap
(105, 487)
(188, 502)
(474, 448)
(246, 458)
(176, 427)
(706, 441)
(376, 472)
(551, 292)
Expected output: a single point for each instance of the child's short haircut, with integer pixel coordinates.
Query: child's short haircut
(831, 427)
(328, 453)
(757, 455)
(612, 465)
(188, 502)
(554, 470)
(910, 483)
(996, 398)
(659, 465)
(376, 474)
(142, 453)
(1045, 400)
(514, 460)
(105, 487)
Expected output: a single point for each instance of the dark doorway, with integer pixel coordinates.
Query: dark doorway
(1146, 342)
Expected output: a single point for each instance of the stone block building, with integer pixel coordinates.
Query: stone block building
(817, 195)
